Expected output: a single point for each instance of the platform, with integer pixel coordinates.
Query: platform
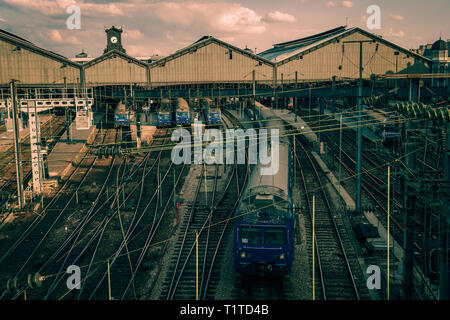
(346, 198)
(300, 124)
(64, 151)
(353, 123)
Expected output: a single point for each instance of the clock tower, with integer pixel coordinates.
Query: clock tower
(114, 39)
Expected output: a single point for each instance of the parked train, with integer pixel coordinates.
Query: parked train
(182, 113)
(250, 113)
(213, 115)
(383, 125)
(264, 224)
(164, 114)
(122, 115)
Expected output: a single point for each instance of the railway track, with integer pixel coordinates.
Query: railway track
(122, 236)
(27, 252)
(374, 188)
(51, 132)
(338, 271)
(208, 215)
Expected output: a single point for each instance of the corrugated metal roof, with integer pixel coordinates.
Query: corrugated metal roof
(281, 51)
(12, 38)
(205, 40)
(286, 50)
(114, 53)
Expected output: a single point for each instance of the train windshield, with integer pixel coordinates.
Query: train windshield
(275, 236)
(182, 114)
(251, 235)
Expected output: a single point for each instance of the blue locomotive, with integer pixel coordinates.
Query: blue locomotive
(182, 112)
(213, 115)
(264, 226)
(122, 116)
(164, 114)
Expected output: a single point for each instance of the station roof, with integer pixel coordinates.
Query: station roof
(111, 54)
(282, 52)
(23, 43)
(204, 41)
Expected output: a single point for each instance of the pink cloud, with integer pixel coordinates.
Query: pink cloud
(134, 34)
(51, 8)
(57, 37)
(399, 34)
(217, 16)
(347, 4)
(397, 17)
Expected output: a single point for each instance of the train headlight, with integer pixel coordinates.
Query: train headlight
(282, 256)
(243, 255)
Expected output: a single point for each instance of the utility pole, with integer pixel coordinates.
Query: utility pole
(444, 225)
(254, 93)
(20, 199)
(410, 200)
(295, 98)
(359, 129)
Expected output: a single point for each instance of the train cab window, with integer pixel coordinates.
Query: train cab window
(251, 235)
(275, 236)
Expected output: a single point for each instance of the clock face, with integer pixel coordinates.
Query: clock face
(113, 39)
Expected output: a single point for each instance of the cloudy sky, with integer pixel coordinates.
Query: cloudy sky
(162, 27)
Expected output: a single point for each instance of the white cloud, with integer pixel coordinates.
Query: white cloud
(330, 4)
(397, 17)
(2, 20)
(278, 16)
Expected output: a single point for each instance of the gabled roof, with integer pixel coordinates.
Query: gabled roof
(23, 43)
(284, 52)
(111, 54)
(204, 41)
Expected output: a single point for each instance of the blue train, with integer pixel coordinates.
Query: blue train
(263, 231)
(122, 116)
(182, 113)
(213, 115)
(250, 114)
(164, 114)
